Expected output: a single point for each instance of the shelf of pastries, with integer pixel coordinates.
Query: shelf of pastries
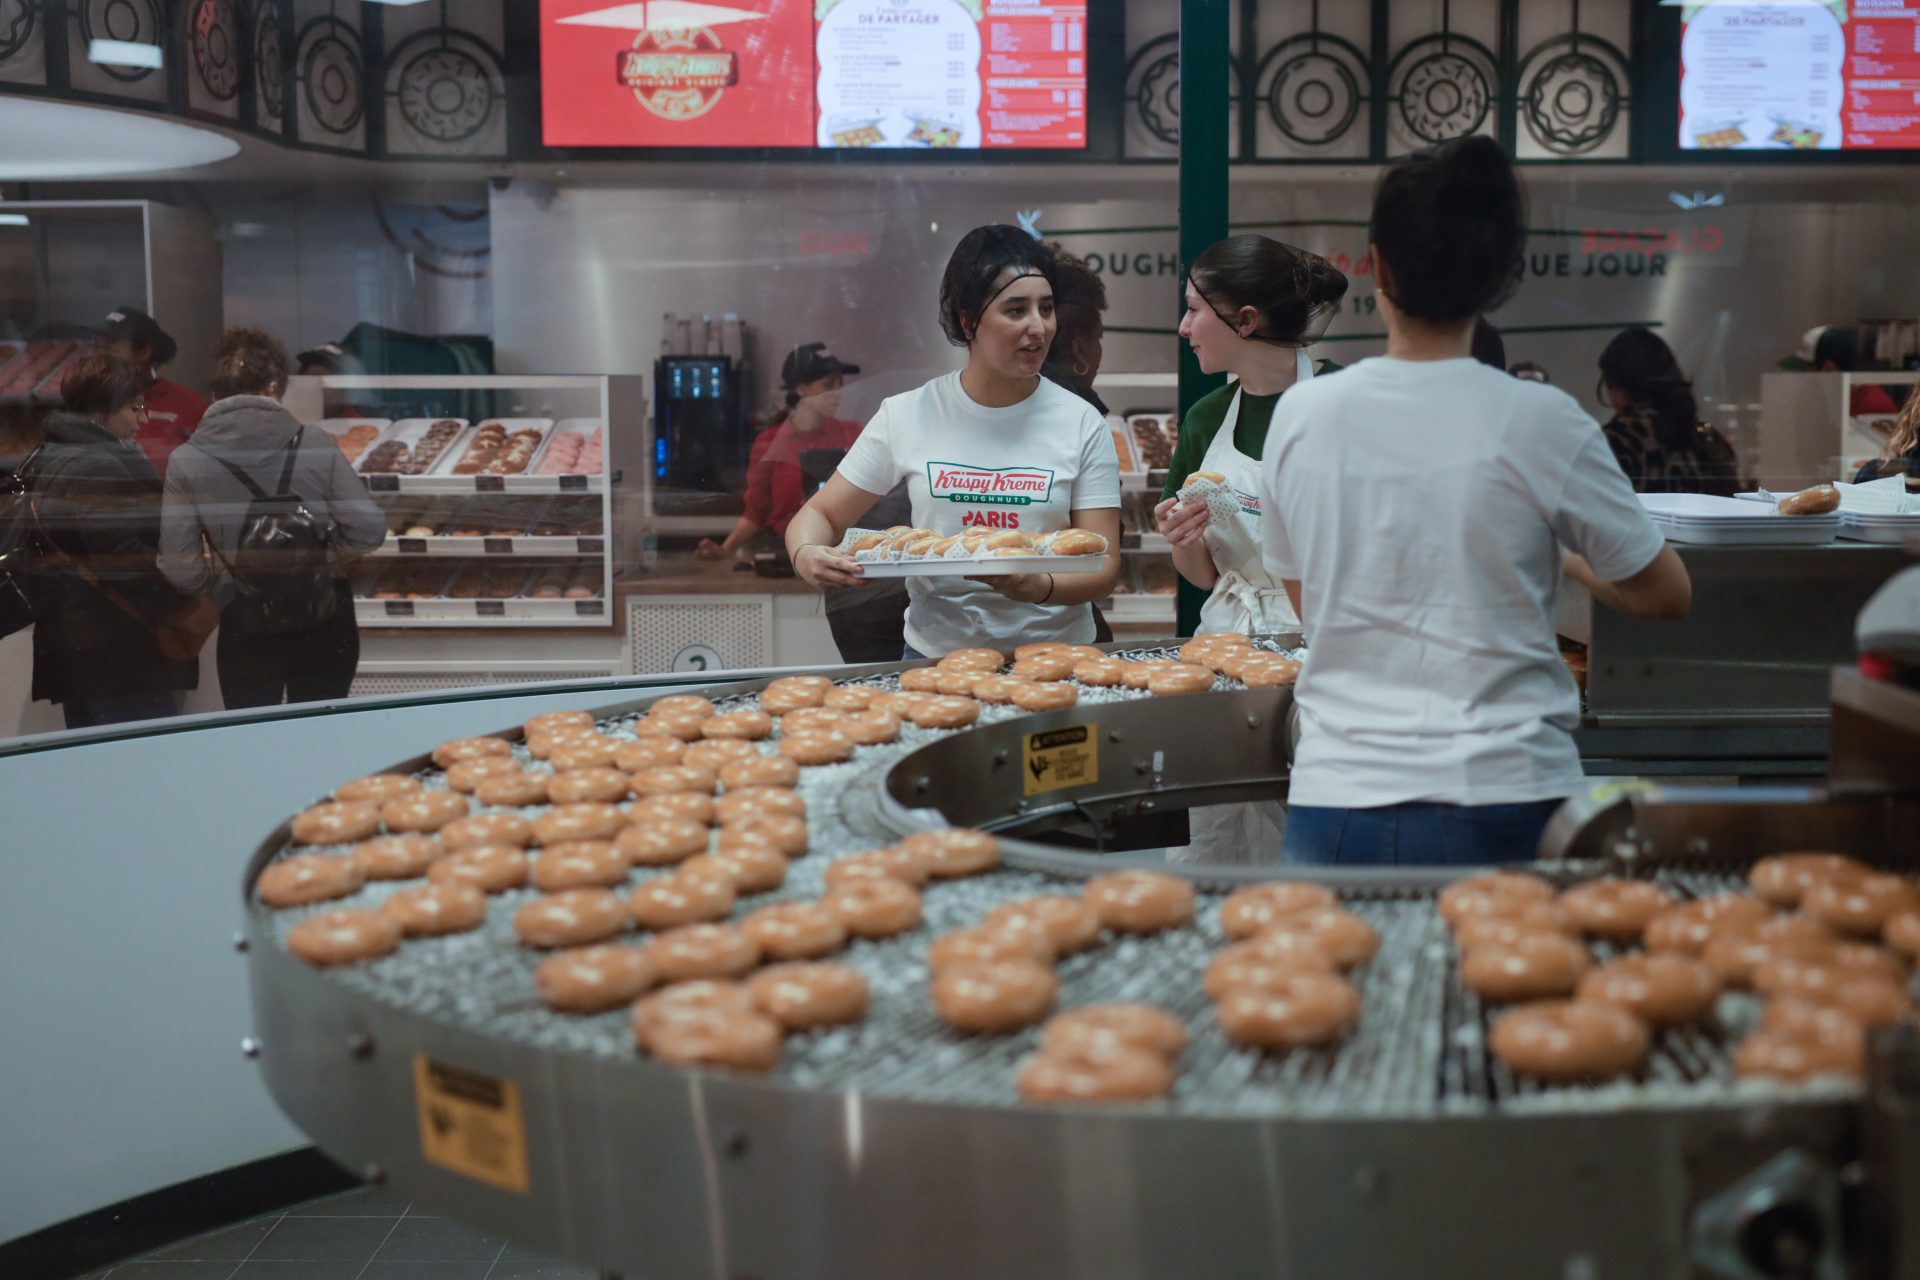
(423, 592)
(511, 526)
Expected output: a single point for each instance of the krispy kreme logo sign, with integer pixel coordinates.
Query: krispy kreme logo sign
(677, 73)
(989, 486)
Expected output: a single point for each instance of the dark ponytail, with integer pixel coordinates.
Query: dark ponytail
(1293, 291)
(1642, 367)
(1451, 226)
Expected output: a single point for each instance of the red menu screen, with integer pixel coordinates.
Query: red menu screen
(930, 74)
(1800, 75)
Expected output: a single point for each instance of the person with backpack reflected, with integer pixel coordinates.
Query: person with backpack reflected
(264, 515)
(110, 634)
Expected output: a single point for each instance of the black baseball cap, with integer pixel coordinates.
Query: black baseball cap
(329, 356)
(810, 362)
(131, 324)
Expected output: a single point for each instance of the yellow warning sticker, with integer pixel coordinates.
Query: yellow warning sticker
(471, 1123)
(1060, 758)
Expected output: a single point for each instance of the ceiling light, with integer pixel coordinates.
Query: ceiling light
(55, 140)
(13, 219)
(124, 53)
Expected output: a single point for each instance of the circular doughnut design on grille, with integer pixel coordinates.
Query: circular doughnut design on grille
(1571, 101)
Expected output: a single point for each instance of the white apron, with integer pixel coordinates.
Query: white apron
(1248, 600)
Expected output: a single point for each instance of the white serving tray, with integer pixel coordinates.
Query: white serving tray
(454, 455)
(991, 567)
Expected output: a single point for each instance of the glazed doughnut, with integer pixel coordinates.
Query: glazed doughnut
(669, 778)
(1301, 1010)
(379, 788)
(921, 680)
(872, 728)
(783, 834)
(1070, 924)
(1140, 674)
(816, 687)
(1690, 926)
(1276, 674)
(823, 747)
(778, 703)
(513, 790)
(452, 753)
(1140, 901)
(1214, 644)
(343, 937)
(997, 691)
(594, 979)
(704, 951)
(1784, 878)
(1095, 1071)
(584, 753)
(550, 722)
(1251, 908)
(584, 864)
(805, 997)
(1101, 673)
(759, 771)
(959, 681)
(1817, 976)
(978, 659)
(566, 823)
(1734, 954)
(992, 999)
(738, 726)
(1346, 939)
(1902, 933)
(1172, 682)
(1521, 918)
(687, 728)
(1137, 1026)
(1250, 964)
(1661, 988)
(724, 1040)
(428, 811)
(696, 997)
(677, 899)
(1487, 894)
(649, 753)
(749, 868)
(689, 806)
(1615, 909)
(573, 918)
(589, 786)
(988, 946)
(953, 853)
(876, 908)
(1568, 1040)
(850, 697)
(1044, 697)
(1533, 967)
(1083, 652)
(661, 842)
(1074, 542)
(434, 910)
(911, 867)
(1793, 1057)
(310, 877)
(490, 868)
(1860, 904)
(682, 704)
(1806, 1019)
(717, 753)
(542, 746)
(396, 857)
(1037, 647)
(795, 931)
(1043, 667)
(945, 713)
(469, 774)
(339, 822)
(487, 828)
(812, 720)
(758, 802)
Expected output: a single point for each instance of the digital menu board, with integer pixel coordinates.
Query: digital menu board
(927, 74)
(1800, 75)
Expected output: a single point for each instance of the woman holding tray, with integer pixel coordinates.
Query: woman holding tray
(992, 446)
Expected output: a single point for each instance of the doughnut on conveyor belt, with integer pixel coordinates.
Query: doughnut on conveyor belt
(1419, 1049)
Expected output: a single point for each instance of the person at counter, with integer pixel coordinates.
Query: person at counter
(1417, 505)
(173, 411)
(996, 414)
(1900, 455)
(1655, 433)
(813, 379)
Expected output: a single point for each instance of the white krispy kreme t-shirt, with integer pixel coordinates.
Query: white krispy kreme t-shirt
(1028, 466)
(1423, 506)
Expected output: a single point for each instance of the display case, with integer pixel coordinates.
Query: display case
(500, 493)
(1143, 438)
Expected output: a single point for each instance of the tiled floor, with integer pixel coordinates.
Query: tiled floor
(368, 1234)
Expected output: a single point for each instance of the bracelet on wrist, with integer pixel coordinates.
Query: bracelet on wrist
(1043, 599)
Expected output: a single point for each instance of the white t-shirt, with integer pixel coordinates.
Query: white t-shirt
(1028, 466)
(1423, 507)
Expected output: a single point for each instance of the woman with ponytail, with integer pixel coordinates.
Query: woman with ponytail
(1656, 433)
(1417, 506)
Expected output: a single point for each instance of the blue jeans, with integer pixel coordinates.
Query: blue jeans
(84, 712)
(1416, 835)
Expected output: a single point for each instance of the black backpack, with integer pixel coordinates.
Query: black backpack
(282, 561)
(19, 548)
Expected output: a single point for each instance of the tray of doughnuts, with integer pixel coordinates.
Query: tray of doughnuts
(354, 435)
(909, 552)
(503, 447)
(412, 446)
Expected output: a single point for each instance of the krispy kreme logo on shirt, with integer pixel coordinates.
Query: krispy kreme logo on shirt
(989, 486)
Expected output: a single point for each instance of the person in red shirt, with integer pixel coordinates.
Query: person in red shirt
(776, 481)
(173, 411)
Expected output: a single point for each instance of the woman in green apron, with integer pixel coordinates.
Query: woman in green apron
(1254, 306)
